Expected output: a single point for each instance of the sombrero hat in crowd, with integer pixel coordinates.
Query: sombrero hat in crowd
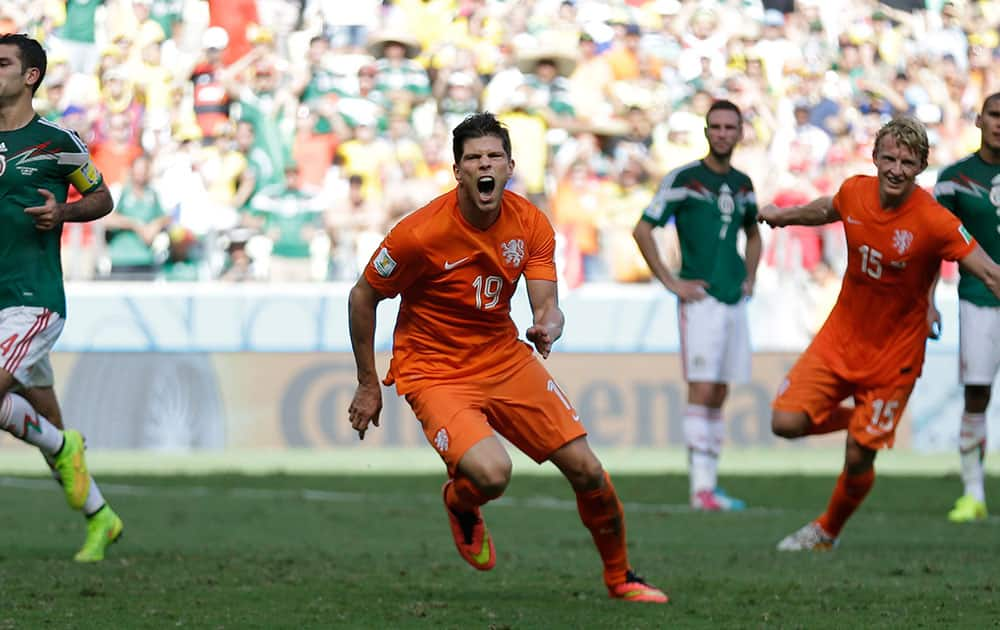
(377, 42)
(529, 56)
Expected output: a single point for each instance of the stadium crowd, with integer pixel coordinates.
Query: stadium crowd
(279, 139)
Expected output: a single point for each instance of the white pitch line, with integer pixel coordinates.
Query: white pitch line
(333, 496)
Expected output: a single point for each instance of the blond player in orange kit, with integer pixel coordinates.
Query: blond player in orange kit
(458, 360)
(871, 347)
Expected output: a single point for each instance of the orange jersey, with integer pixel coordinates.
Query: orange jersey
(455, 283)
(877, 331)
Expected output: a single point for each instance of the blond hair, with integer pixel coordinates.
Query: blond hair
(907, 132)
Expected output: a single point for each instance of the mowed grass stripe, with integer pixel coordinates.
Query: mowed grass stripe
(333, 496)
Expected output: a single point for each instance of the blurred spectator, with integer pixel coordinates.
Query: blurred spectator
(235, 17)
(548, 93)
(291, 221)
(133, 227)
(211, 98)
(114, 153)
(367, 155)
(354, 226)
(76, 38)
(398, 77)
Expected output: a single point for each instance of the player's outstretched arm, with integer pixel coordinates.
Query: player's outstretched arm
(979, 264)
(93, 205)
(819, 211)
(367, 403)
(547, 317)
(685, 290)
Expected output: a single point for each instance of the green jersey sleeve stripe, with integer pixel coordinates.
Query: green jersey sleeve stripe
(75, 139)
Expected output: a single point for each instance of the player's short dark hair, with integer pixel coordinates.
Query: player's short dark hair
(724, 106)
(989, 99)
(30, 52)
(478, 126)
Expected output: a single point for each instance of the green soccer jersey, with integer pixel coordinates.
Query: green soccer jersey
(970, 188)
(39, 155)
(709, 209)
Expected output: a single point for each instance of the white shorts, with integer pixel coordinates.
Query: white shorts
(715, 341)
(27, 334)
(978, 343)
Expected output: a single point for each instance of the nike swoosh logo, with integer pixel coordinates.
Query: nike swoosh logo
(483, 557)
(853, 220)
(448, 266)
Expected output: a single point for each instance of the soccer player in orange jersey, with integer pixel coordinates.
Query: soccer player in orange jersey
(871, 347)
(458, 360)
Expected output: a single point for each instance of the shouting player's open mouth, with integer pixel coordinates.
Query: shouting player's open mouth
(486, 186)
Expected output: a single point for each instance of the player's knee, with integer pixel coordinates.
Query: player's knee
(588, 476)
(493, 479)
(788, 424)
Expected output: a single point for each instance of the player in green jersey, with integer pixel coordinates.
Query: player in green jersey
(970, 188)
(710, 201)
(38, 162)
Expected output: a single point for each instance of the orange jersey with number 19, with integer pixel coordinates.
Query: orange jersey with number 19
(877, 331)
(455, 283)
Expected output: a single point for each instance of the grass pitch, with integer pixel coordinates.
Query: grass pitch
(374, 551)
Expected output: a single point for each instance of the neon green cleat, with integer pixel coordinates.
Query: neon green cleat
(967, 510)
(103, 529)
(72, 467)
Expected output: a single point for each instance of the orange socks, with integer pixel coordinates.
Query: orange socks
(463, 495)
(601, 512)
(837, 421)
(848, 494)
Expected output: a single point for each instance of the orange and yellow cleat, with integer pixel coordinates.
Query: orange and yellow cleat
(635, 589)
(472, 539)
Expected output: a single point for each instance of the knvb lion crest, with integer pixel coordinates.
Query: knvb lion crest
(441, 441)
(513, 251)
(901, 240)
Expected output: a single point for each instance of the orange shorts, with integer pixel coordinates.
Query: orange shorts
(526, 407)
(811, 386)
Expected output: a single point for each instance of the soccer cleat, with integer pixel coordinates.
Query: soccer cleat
(728, 503)
(103, 529)
(968, 509)
(715, 501)
(635, 589)
(472, 539)
(810, 537)
(72, 467)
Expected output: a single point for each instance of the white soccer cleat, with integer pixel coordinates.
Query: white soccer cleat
(810, 537)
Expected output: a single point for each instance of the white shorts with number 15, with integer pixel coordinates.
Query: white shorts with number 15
(715, 341)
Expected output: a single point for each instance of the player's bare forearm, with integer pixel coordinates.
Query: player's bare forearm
(361, 308)
(366, 405)
(643, 235)
(547, 318)
(685, 290)
(979, 264)
(93, 205)
(819, 211)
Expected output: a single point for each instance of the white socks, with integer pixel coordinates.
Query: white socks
(703, 433)
(94, 501)
(972, 448)
(20, 419)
